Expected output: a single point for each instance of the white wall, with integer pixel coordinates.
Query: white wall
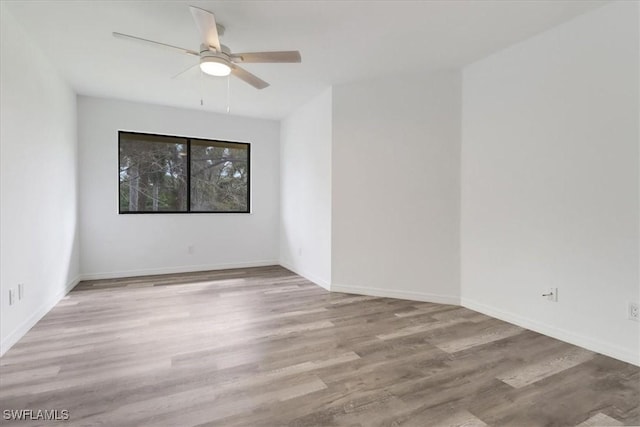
(305, 190)
(124, 245)
(550, 182)
(38, 204)
(396, 188)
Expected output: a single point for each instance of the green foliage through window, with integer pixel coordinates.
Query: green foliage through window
(178, 175)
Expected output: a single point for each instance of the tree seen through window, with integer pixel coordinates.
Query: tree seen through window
(173, 174)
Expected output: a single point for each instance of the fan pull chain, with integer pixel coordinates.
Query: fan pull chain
(228, 93)
(201, 88)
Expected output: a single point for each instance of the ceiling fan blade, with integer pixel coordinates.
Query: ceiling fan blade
(283, 56)
(206, 23)
(183, 72)
(154, 43)
(247, 77)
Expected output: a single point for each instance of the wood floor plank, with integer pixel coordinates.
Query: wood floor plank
(425, 308)
(488, 336)
(529, 374)
(600, 420)
(419, 328)
(463, 419)
(265, 347)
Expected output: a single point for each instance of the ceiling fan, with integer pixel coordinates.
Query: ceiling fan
(215, 58)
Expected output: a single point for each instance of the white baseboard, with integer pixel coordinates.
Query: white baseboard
(399, 294)
(313, 278)
(598, 346)
(38, 314)
(171, 270)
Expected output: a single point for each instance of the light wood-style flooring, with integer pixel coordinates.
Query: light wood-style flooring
(265, 347)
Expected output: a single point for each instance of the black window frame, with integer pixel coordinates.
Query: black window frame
(188, 163)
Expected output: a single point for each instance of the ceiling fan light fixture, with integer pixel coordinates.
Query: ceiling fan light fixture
(215, 66)
(217, 59)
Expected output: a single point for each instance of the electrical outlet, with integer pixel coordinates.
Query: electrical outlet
(12, 296)
(20, 291)
(633, 311)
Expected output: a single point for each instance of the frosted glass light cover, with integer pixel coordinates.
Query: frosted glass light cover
(215, 68)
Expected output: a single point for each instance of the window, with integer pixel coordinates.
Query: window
(169, 174)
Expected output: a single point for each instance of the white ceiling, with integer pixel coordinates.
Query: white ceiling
(340, 41)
